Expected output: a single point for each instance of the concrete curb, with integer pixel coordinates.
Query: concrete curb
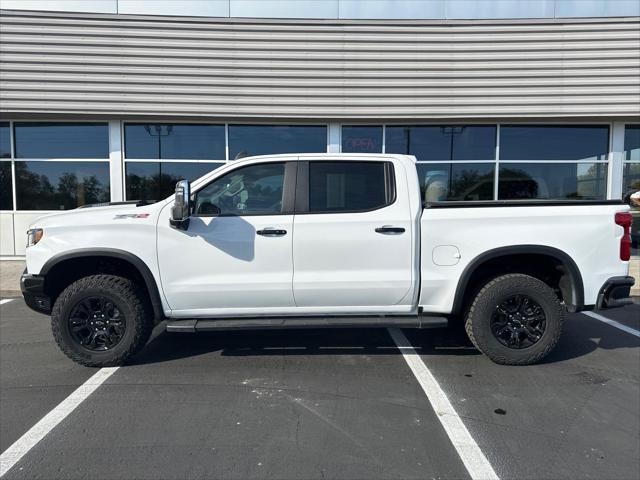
(10, 293)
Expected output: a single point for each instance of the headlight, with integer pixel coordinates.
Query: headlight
(33, 236)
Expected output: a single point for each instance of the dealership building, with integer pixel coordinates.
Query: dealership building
(112, 100)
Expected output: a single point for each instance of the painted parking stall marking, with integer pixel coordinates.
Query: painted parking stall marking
(40, 430)
(470, 453)
(5, 300)
(613, 323)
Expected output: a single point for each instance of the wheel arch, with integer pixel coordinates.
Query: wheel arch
(53, 267)
(570, 279)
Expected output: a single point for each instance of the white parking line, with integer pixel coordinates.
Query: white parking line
(5, 300)
(470, 453)
(613, 323)
(40, 430)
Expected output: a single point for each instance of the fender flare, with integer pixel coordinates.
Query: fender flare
(138, 264)
(576, 302)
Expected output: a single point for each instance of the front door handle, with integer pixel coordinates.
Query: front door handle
(389, 229)
(271, 232)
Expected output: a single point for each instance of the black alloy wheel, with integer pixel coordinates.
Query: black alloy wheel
(518, 322)
(96, 323)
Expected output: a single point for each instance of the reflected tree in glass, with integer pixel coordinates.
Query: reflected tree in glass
(55, 186)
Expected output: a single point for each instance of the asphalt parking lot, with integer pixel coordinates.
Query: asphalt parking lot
(323, 404)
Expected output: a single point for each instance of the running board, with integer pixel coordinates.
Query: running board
(221, 324)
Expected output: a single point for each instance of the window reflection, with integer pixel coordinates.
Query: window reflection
(632, 143)
(346, 186)
(154, 181)
(248, 140)
(456, 181)
(174, 141)
(554, 142)
(438, 143)
(5, 140)
(366, 139)
(553, 181)
(6, 194)
(54, 185)
(252, 190)
(61, 140)
(631, 179)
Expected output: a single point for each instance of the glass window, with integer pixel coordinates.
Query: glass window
(631, 182)
(174, 141)
(361, 139)
(550, 142)
(251, 190)
(6, 186)
(438, 143)
(61, 140)
(61, 185)
(632, 142)
(347, 186)
(5, 140)
(248, 140)
(154, 181)
(456, 181)
(586, 181)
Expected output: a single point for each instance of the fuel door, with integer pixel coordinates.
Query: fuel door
(446, 255)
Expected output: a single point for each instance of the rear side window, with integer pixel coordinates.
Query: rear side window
(350, 186)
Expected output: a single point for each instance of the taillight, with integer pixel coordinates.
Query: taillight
(624, 219)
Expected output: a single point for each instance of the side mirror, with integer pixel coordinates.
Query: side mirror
(180, 211)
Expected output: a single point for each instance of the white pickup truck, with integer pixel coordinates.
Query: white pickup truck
(291, 241)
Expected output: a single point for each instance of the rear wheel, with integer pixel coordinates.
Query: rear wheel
(515, 319)
(101, 320)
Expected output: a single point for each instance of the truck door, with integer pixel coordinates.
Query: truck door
(236, 255)
(352, 243)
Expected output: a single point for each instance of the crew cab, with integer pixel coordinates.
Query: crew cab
(323, 240)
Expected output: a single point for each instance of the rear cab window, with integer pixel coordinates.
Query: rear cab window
(351, 186)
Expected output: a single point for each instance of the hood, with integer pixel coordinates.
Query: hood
(99, 214)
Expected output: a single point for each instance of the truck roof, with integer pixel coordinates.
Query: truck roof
(329, 156)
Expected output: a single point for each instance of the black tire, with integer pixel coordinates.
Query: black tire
(126, 296)
(484, 311)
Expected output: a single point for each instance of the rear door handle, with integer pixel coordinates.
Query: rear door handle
(389, 229)
(271, 232)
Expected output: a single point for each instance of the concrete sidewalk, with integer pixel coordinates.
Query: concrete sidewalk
(10, 271)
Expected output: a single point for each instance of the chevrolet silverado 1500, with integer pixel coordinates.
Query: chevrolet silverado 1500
(323, 240)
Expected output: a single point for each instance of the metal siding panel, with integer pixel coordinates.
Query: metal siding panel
(343, 70)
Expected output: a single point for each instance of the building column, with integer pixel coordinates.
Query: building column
(616, 164)
(334, 138)
(116, 165)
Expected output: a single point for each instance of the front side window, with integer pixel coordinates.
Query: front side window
(252, 190)
(349, 186)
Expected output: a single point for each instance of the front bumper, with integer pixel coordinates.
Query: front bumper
(32, 287)
(615, 293)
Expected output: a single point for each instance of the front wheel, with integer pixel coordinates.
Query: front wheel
(101, 320)
(515, 319)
